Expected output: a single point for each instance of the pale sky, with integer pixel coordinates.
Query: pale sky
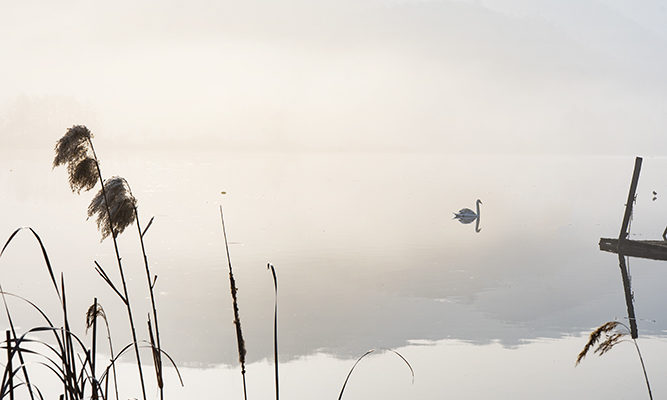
(503, 76)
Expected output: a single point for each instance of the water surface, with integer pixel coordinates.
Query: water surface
(367, 256)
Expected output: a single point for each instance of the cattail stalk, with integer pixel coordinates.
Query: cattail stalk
(610, 341)
(237, 320)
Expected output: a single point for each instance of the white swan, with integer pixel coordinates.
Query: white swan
(466, 215)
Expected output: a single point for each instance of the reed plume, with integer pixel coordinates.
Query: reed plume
(122, 204)
(73, 146)
(594, 337)
(73, 149)
(612, 337)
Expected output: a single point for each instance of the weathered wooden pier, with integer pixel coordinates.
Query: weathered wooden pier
(652, 249)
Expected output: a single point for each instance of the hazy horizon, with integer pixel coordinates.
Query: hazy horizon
(458, 77)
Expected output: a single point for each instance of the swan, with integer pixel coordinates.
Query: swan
(466, 215)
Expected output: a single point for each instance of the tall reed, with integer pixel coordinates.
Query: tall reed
(612, 337)
(237, 320)
(113, 204)
(156, 347)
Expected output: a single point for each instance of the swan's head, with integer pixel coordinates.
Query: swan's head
(479, 201)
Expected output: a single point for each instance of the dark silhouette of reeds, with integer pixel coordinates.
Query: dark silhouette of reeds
(61, 359)
(10, 335)
(113, 204)
(612, 337)
(69, 359)
(237, 320)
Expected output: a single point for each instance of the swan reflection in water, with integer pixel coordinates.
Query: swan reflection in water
(466, 216)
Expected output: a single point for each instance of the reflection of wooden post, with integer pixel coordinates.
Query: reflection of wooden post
(628, 296)
(631, 199)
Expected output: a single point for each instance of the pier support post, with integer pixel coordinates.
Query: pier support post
(631, 199)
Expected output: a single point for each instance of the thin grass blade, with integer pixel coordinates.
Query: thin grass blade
(366, 354)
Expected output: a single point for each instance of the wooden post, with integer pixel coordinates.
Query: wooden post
(631, 199)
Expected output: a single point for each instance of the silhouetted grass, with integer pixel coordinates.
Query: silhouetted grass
(68, 359)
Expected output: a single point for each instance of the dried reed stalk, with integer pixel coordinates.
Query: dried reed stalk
(155, 338)
(612, 337)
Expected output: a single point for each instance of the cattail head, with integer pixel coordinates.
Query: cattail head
(121, 205)
(611, 339)
(73, 149)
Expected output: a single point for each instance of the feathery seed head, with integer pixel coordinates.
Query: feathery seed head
(82, 175)
(73, 149)
(609, 343)
(606, 345)
(121, 205)
(73, 146)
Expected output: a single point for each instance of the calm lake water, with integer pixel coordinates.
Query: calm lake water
(367, 256)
